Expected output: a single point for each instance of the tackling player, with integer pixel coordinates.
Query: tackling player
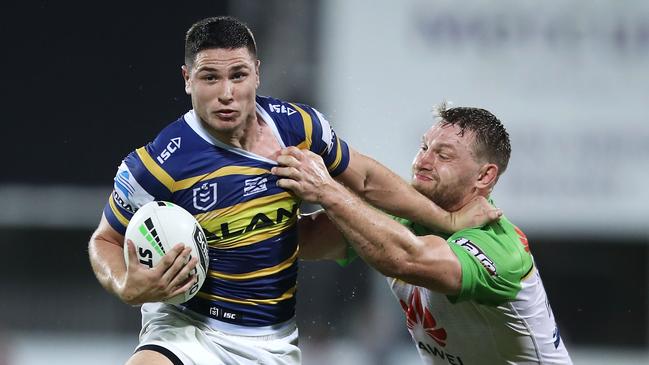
(215, 162)
(472, 297)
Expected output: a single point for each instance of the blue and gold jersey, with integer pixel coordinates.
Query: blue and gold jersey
(250, 223)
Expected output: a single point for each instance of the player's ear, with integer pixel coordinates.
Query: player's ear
(257, 72)
(185, 72)
(487, 176)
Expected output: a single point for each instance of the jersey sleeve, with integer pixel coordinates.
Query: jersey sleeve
(134, 185)
(324, 140)
(491, 274)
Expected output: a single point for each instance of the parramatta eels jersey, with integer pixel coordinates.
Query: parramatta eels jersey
(501, 315)
(250, 223)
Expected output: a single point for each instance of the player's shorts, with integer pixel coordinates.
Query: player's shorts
(188, 339)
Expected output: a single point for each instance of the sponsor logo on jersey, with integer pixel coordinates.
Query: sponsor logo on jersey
(523, 238)
(225, 314)
(205, 196)
(281, 109)
(418, 319)
(434, 351)
(418, 316)
(477, 252)
(258, 221)
(172, 147)
(122, 184)
(118, 199)
(254, 186)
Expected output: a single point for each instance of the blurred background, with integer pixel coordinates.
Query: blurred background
(85, 83)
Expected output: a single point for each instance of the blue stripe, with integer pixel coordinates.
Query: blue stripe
(262, 288)
(266, 253)
(251, 315)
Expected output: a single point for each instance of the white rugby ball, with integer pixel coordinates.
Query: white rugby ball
(158, 226)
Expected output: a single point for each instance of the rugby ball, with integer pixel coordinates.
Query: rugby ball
(158, 226)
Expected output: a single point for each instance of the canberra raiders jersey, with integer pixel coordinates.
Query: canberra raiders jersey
(501, 315)
(250, 223)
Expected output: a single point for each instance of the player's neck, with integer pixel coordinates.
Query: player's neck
(254, 136)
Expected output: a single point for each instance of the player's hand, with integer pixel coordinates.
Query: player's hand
(170, 277)
(302, 172)
(476, 213)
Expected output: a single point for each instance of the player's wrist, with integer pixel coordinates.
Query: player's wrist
(333, 194)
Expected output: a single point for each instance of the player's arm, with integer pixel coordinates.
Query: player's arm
(320, 239)
(386, 190)
(137, 284)
(383, 243)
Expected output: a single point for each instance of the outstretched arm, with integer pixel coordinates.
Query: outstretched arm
(383, 243)
(385, 190)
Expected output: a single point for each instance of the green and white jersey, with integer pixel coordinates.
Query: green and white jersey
(501, 315)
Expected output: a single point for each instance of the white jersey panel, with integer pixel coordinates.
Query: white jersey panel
(521, 331)
(128, 192)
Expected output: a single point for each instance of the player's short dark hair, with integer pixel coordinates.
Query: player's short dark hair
(491, 138)
(218, 32)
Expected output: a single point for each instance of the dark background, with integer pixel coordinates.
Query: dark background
(84, 84)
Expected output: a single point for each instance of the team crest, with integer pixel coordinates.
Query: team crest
(205, 196)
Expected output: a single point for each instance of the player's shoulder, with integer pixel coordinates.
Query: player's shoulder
(175, 139)
(166, 157)
(500, 246)
(287, 112)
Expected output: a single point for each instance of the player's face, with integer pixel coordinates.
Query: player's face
(223, 85)
(445, 169)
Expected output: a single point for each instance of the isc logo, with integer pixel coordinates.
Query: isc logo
(477, 252)
(171, 148)
(279, 108)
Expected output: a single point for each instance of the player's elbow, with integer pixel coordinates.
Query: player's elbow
(397, 266)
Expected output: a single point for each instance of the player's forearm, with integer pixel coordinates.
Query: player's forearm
(388, 191)
(383, 243)
(107, 260)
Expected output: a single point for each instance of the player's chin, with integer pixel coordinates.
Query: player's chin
(424, 188)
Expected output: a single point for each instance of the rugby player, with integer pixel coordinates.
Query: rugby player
(215, 162)
(471, 297)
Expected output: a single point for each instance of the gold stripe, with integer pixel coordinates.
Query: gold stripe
(339, 156)
(529, 273)
(308, 128)
(155, 169)
(258, 273)
(118, 214)
(253, 236)
(287, 295)
(238, 208)
(224, 171)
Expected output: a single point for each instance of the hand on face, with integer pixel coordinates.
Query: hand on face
(302, 172)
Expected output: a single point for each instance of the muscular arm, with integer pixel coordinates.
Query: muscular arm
(137, 284)
(384, 189)
(383, 243)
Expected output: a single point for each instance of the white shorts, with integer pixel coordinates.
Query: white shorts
(194, 342)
